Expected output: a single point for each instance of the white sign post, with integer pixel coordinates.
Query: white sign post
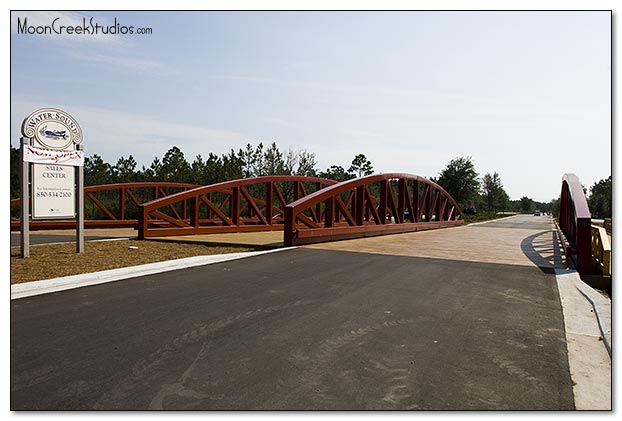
(52, 148)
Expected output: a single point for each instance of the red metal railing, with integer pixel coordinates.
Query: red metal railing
(373, 205)
(110, 205)
(251, 204)
(575, 221)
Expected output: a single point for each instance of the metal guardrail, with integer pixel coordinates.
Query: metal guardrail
(601, 251)
(607, 225)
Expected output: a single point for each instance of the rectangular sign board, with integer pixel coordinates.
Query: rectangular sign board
(53, 191)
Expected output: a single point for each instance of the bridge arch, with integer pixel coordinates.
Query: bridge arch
(575, 221)
(368, 206)
(250, 204)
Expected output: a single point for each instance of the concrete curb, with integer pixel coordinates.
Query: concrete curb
(29, 289)
(588, 341)
(600, 304)
(602, 310)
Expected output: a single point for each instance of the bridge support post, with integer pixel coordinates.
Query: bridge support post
(329, 209)
(382, 205)
(122, 203)
(142, 223)
(194, 212)
(427, 204)
(359, 215)
(269, 205)
(235, 206)
(401, 199)
(415, 215)
(289, 227)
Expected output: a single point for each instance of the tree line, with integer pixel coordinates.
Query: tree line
(251, 161)
(459, 177)
(487, 194)
(475, 194)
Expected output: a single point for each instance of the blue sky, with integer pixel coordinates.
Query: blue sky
(526, 94)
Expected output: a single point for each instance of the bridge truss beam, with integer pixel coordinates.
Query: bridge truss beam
(250, 204)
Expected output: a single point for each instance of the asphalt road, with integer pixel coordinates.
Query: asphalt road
(298, 329)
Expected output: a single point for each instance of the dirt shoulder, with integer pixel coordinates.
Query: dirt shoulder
(57, 260)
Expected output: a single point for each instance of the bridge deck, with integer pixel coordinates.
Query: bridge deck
(261, 239)
(518, 240)
(473, 324)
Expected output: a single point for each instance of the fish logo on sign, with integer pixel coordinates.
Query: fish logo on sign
(54, 134)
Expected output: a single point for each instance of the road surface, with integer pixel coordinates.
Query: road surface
(403, 322)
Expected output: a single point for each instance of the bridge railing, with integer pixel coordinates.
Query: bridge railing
(109, 205)
(575, 222)
(373, 205)
(250, 204)
(601, 251)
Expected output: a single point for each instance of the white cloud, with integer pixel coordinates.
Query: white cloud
(126, 62)
(357, 89)
(357, 133)
(277, 121)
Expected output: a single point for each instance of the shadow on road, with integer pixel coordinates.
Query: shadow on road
(543, 250)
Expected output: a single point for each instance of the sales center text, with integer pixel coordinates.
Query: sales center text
(53, 171)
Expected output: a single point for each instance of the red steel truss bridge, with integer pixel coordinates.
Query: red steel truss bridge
(311, 210)
(307, 209)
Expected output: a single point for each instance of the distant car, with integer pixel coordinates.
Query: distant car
(536, 213)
